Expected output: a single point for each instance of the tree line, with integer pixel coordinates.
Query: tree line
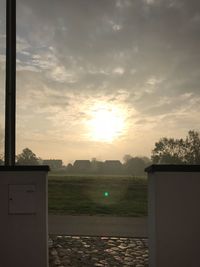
(131, 165)
(178, 151)
(166, 151)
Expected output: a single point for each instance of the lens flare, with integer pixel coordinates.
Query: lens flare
(106, 194)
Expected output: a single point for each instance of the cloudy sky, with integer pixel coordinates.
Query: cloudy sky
(103, 78)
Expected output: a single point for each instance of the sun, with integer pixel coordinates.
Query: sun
(107, 123)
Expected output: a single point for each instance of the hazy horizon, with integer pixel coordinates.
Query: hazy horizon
(103, 78)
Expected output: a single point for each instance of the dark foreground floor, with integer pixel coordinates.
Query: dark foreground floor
(75, 251)
(97, 226)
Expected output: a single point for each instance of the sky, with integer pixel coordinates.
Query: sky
(103, 78)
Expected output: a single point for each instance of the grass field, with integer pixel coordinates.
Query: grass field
(97, 195)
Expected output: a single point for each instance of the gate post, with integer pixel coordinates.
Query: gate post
(24, 216)
(174, 215)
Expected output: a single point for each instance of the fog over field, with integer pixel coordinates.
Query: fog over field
(103, 78)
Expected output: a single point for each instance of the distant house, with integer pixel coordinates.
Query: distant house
(112, 167)
(82, 166)
(96, 166)
(54, 164)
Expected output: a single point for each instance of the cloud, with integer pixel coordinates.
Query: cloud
(142, 55)
(60, 74)
(150, 2)
(119, 71)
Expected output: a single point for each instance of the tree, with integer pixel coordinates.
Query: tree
(94, 165)
(1, 160)
(69, 168)
(126, 158)
(135, 166)
(192, 148)
(178, 151)
(146, 160)
(27, 157)
(168, 151)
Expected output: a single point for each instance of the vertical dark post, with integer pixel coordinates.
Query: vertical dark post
(10, 109)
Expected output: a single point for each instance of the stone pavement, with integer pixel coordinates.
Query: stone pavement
(76, 251)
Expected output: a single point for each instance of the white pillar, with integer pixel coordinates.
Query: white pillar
(24, 216)
(174, 215)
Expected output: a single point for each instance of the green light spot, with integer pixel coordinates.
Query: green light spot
(106, 194)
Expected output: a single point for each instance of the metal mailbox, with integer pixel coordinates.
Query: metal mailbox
(22, 199)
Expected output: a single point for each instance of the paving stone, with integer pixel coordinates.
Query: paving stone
(57, 262)
(75, 251)
(53, 252)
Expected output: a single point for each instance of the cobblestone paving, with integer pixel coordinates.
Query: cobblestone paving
(74, 251)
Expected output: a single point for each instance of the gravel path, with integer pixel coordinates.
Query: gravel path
(75, 251)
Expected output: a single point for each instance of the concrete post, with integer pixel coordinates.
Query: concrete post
(174, 215)
(24, 216)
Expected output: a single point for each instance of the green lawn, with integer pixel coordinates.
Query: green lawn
(97, 195)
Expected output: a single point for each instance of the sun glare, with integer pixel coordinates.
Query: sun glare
(107, 123)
